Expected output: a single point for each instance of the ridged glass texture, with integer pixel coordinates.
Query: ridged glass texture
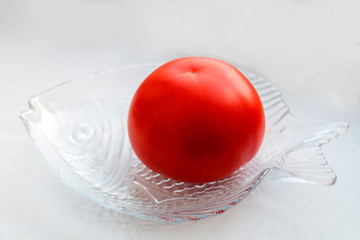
(79, 128)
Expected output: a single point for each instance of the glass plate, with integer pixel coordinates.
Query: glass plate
(80, 129)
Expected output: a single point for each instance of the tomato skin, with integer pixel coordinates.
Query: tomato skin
(196, 119)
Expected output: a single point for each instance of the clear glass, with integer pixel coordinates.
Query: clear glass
(80, 129)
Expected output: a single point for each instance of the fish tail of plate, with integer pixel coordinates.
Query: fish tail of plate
(304, 161)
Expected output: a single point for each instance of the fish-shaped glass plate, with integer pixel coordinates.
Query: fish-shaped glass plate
(80, 129)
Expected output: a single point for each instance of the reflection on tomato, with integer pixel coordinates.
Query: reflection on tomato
(196, 119)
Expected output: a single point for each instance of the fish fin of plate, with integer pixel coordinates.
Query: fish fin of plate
(304, 161)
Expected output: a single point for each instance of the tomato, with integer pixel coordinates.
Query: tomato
(196, 119)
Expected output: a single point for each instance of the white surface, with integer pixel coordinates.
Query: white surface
(309, 49)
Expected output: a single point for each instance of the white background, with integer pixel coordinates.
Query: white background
(310, 49)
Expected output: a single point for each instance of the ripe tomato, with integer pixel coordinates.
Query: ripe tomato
(196, 119)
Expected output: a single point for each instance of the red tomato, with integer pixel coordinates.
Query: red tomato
(196, 119)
